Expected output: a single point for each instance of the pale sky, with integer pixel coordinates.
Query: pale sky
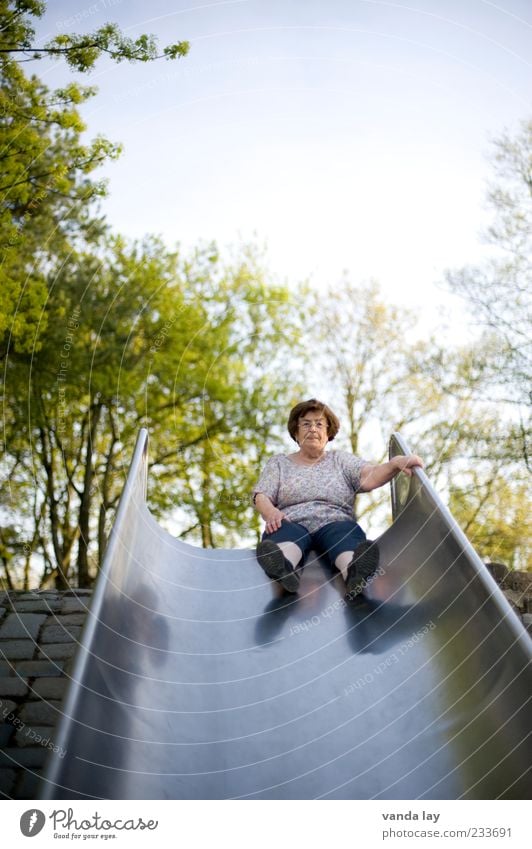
(344, 134)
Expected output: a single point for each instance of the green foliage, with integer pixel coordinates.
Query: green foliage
(190, 347)
(47, 187)
(491, 498)
(378, 380)
(22, 311)
(495, 515)
(238, 348)
(99, 336)
(44, 164)
(81, 52)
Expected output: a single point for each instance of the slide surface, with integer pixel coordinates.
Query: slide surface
(196, 679)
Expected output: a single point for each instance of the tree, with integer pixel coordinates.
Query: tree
(376, 379)
(139, 335)
(495, 515)
(239, 418)
(47, 192)
(65, 401)
(99, 336)
(381, 379)
(81, 52)
(499, 292)
(491, 498)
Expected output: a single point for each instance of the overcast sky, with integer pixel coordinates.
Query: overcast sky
(345, 134)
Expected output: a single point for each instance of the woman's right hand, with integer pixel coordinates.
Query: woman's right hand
(273, 520)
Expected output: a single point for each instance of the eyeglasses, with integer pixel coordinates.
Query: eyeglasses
(306, 425)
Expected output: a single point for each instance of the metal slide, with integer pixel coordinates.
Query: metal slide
(197, 679)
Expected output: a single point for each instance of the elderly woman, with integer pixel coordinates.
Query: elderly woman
(307, 501)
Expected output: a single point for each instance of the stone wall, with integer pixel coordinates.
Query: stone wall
(517, 587)
(39, 633)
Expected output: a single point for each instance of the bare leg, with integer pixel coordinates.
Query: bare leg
(342, 562)
(291, 551)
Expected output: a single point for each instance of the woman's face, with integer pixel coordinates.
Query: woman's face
(312, 430)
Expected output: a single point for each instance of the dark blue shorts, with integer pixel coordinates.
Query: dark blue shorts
(328, 541)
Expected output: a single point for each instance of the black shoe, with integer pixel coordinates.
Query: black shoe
(276, 566)
(364, 564)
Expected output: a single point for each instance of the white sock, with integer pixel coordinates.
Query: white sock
(291, 551)
(342, 562)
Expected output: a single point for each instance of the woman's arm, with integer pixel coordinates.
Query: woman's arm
(371, 477)
(269, 512)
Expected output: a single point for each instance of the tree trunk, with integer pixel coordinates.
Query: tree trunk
(206, 535)
(102, 536)
(84, 579)
(62, 558)
(353, 430)
(107, 502)
(9, 580)
(205, 518)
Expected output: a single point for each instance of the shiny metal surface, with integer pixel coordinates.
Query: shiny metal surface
(196, 679)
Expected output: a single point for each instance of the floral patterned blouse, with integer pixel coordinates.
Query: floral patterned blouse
(313, 495)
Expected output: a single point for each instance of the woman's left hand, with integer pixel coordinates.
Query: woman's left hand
(406, 462)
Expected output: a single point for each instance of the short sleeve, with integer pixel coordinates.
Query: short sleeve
(352, 467)
(268, 482)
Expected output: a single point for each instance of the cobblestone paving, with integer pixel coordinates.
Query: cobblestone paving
(39, 635)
